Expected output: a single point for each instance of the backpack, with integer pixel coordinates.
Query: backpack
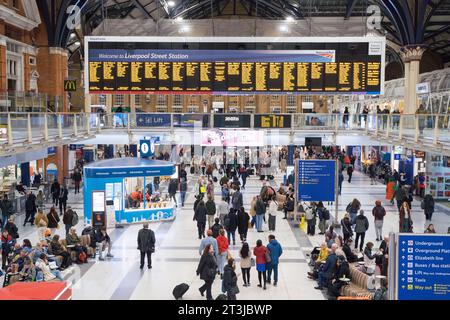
(82, 257)
(226, 222)
(379, 294)
(74, 219)
(180, 290)
(326, 214)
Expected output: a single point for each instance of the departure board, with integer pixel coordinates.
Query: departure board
(324, 66)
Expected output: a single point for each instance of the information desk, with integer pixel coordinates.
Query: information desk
(126, 190)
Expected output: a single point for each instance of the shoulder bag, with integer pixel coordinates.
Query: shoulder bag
(252, 262)
(268, 257)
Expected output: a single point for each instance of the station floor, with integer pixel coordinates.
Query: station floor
(176, 257)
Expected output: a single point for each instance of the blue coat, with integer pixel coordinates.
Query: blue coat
(275, 251)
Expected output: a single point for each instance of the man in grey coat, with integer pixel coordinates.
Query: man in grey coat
(146, 244)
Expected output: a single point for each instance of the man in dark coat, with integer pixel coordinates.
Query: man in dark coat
(6, 208)
(54, 190)
(30, 209)
(68, 219)
(77, 180)
(63, 195)
(200, 217)
(173, 187)
(428, 206)
(146, 245)
(236, 199)
(243, 219)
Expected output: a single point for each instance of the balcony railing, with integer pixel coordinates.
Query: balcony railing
(28, 129)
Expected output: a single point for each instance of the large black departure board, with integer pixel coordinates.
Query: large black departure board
(316, 67)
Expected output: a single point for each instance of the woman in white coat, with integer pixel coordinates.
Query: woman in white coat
(273, 211)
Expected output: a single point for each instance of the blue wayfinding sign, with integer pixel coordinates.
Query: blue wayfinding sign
(423, 268)
(153, 120)
(316, 180)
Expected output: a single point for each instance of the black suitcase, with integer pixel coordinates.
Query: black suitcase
(180, 290)
(222, 297)
(215, 179)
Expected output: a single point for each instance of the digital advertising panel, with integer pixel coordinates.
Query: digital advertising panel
(232, 138)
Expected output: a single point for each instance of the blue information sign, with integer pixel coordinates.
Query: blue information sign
(152, 120)
(423, 271)
(316, 180)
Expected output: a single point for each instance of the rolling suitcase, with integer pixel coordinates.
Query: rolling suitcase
(222, 297)
(180, 290)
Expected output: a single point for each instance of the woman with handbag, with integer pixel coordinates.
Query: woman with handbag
(53, 220)
(262, 258)
(207, 269)
(230, 280)
(247, 262)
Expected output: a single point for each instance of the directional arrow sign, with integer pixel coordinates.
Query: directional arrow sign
(403, 279)
(403, 249)
(403, 257)
(403, 272)
(403, 264)
(403, 242)
(403, 287)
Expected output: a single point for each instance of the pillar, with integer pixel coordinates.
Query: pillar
(3, 66)
(25, 173)
(411, 56)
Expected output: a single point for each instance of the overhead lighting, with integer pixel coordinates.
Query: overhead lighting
(289, 19)
(179, 18)
(284, 28)
(171, 3)
(78, 43)
(72, 35)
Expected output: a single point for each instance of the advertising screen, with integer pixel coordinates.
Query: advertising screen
(239, 65)
(98, 201)
(232, 138)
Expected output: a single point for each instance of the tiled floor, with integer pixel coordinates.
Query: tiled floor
(176, 257)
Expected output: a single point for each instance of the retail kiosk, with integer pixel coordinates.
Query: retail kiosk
(123, 191)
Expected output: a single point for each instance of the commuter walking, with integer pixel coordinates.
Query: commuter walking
(30, 209)
(260, 252)
(378, 212)
(222, 245)
(173, 187)
(372, 174)
(54, 190)
(275, 251)
(40, 200)
(12, 228)
(273, 210)
(217, 226)
(63, 195)
(230, 280)
(246, 263)
(427, 205)
(223, 210)
(361, 226)
(207, 271)
(242, 220)
(200, 217)
(260, 212)
(68, 219)
(6, 207)
(400, 196)
(350, 173)
(252, 212)
(345, 117)
(352, 209)
(324, 216)
(310, 216)
(146, 245)
(405, 221)
(210, 211)
(236, 199)
(183, 190)
(340, 181)
(230, 224)
(244, 174)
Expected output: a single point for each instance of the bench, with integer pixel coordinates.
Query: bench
(358, 285)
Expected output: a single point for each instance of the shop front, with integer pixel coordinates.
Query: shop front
(438, 176)
(127, 190)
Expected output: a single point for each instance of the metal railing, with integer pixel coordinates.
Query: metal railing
(29, 102)
(36, 128)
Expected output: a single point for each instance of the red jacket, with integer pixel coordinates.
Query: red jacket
(260, 254)
(222, 243)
